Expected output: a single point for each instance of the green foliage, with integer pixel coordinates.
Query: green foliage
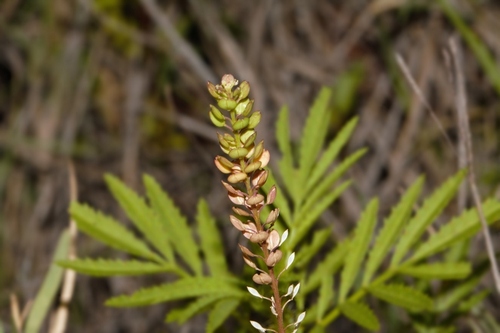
(372, 263)
(48, 290)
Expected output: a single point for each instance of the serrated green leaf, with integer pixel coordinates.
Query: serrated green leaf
(441, 271)
(181, 315)
(211, 242)
(107, 230)
(331, 153)
(181, 289)
(176, 226)
(452, 297)
(328, 266)
(357, 248)
(108, 267)
(473, 301)
(141, 215)
(48, 290)
(307, 252)
(458, 229)
(361, 314)
(313, 136)
(221, 311)
(324, 188)
(285, 164)
(304, 224)
(432, 207)
(392, 229)
(403, 296)
(325, 296)
(280, 201)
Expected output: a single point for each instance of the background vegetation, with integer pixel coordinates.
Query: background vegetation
(119, 87)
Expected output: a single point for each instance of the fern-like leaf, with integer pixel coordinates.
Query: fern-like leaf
(361, 314)
(304, 224)
(107, 267)
(452, 297)
(358, 247)
(211, 242)
(307, 252)
(328, 266)
(331, 153)
(221, 311)
(402, 296)
(442, 271)
(110, 232)
(181, 289)
(181, 315)
(392, 229)
(283, 138)
(176, 226)
(458, 229)
(325, 296)
(431, 209)
(141, 215)
(313, 136)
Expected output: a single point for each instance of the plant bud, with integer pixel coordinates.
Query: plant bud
(259, 237)
(244, 89)
(215, 121)
(255, 199)
(241, 212)
(250, 139)
(237, 223)
(242, 106)
(226, 104)
(238, 153)
(240, 124)
(237, 177)
(252, 167)
(273, 216)
(223, 143)
(216, 112)
(228, 138)
(250, 263)
(271, 196)
(212, 90)
(254, 119)
(228, 82)
(259, 149)
(262, 278)
(248, 108)
(259, 178)
(223, 164)
(246, 251)
(274, 258)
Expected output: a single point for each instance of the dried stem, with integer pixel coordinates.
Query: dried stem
(461, 105)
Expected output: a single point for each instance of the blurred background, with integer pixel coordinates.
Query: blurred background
(120, 87)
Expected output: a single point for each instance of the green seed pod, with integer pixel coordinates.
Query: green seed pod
(225, 162)
(215, 121)
(242, 106)
(240, 124)
(226, 104)
(259, 149)
(237, 177)
(254, 119)
(238, 153)
(244, 89)
(248, 108)
(223, 143)
(252, 167)
(228, 138)
(216, 112)
(250, 140)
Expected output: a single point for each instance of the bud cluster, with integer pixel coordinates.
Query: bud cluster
(245, 163)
